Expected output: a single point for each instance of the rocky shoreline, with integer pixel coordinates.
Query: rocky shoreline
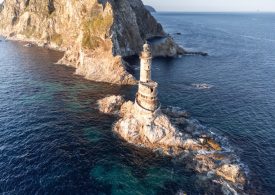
(172, 133)
(94, 35)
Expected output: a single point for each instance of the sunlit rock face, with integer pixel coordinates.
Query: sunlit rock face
(199, 150)
(95, 34)
(157, 133)
(110, 105)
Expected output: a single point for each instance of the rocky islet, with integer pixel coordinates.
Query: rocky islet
(144, 124)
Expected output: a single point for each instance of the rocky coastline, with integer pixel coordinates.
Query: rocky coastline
(94, 35)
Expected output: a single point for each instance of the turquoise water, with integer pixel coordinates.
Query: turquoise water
(54, 141)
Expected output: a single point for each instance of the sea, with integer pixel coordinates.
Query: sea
(53, 140)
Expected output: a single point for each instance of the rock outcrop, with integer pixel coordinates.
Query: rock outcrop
(110, 104)
(162, 134)
(165, 46)
(231, 173)
(150, 8)
(94, 34)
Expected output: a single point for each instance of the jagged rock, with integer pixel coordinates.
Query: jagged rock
(111, 104)
(231, 172)
(207, 162)
(155, 134)
(127, 109)
(94, 34)
(202, 154)
(165, 47)
(204, 163)
(213, 144)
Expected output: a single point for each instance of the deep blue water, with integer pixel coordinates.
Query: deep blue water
(54, 141)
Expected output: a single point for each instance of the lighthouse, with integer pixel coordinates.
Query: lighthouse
(146, 103)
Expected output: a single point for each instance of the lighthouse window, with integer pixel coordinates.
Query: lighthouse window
(152, 90)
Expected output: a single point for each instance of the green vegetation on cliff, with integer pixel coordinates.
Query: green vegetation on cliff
(95, 30)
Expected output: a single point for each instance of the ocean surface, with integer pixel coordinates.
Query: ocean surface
(54, 141)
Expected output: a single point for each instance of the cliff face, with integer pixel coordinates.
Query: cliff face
(95, 34)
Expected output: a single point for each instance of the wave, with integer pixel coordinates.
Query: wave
(228, 153)
(202, 86)
(257, 38)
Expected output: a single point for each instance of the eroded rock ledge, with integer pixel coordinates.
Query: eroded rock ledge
(172, 133)
(94, 34)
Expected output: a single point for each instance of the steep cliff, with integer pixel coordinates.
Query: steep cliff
(95, 34)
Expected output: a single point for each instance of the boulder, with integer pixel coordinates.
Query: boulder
(231, 172)
(165, 47)
(111, 104)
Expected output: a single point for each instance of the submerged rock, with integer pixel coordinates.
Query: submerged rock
(175, 112)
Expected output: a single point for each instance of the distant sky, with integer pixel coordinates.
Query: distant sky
(213, 5)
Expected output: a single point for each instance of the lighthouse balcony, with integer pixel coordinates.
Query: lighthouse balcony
(146, 97)
(147, 102)
(146, 55)
(148, 105)
(148, 88)
(149, 83)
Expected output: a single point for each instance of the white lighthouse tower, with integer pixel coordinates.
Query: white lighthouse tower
(146, 103)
